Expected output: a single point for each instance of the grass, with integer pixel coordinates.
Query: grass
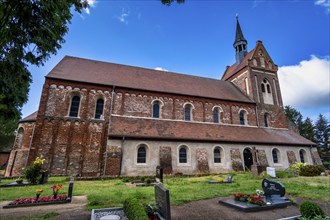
(113, 192)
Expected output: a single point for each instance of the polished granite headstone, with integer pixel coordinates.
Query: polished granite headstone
(274, 198)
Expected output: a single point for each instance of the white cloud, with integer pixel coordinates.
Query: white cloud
(306, 85)
(91, 3)
(161, 69)
(323, 3)
(123, 16)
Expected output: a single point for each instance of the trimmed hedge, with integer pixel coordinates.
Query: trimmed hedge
(310, 210)
(134, 210)
(311, 170)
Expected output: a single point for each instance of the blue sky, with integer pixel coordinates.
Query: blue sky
(197, 38)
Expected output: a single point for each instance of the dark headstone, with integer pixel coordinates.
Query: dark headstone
(271, 188)
(70, 190)
(162, 197)
(159, 173)
(44, 177)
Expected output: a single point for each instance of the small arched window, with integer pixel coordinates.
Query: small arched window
(266, 119)
(263, 87)
(183, 155)
(74, 108)
(187, 112)
(216, 115)
(217, 155)
(242, 117)
(268, 88)
(141, 154)
(275, 154)
(302, 155)
(156, 109)
(99, 108)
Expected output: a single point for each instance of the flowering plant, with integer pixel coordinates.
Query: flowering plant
(40, 200)
(55, 189)
(241, 197)
(38, 192)
(255, 199)
(33, 172)
(259, 192)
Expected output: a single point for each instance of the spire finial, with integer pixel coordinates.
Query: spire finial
(236, 16)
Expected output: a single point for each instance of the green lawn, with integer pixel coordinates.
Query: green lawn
(111, 193)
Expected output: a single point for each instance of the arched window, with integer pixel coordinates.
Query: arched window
(216, 115)
(19, 137)
(99, 108)
(183, 155)
(155, 109)
(141, 154)
(263, 87)
(302, 155)
(242, 117)
(217, 155)
(187, 112)
(267, 92)
(266, 119)
(275, 154)
(74, 109)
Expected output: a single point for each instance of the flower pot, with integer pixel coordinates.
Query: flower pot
(19, 181)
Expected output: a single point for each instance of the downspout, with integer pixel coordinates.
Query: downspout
(121, 155)
(312, 155)
(257, 114)
(109, 123)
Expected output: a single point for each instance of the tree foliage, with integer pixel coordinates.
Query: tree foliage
(322, 132)
(30, 31)
(169, 2)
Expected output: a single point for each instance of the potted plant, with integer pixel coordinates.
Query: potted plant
(19, 180)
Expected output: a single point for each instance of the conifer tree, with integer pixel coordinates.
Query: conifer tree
(322, 132)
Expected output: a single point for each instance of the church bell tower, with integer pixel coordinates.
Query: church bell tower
(240, 43)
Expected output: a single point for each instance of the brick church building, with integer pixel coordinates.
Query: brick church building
(98, 118)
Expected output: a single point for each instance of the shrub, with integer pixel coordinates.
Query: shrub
(310, 210)
(147, 180)
(33, 172)
(296, 167)
(134, 210)
(311, 170)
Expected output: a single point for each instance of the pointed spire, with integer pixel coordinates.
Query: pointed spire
(239, 34)
(240, 43)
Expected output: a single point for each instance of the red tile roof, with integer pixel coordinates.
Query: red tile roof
(190, 131)
(230, 71)
(97, 72)
(31, 118)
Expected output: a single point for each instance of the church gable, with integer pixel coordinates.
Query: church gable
(261, 59)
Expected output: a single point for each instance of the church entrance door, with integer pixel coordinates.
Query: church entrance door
(248, 160)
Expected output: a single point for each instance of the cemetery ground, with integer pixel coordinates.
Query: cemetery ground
(183, 191)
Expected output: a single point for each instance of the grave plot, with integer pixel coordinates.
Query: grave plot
(273, 198)
(220, 180)
(21, 182)
(44, 200)
(162, 210)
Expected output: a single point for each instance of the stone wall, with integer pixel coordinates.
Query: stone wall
(291, 157)
(165, 159)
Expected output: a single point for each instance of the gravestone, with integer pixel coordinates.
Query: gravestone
(273, 188)
(44, 177)
(159, 174)
(271, 171)
(162, 197)
(70, 190)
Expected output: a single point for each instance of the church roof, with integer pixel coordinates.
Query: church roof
(190, 131)
(103, 73)
(230, 71)
(30, 118)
